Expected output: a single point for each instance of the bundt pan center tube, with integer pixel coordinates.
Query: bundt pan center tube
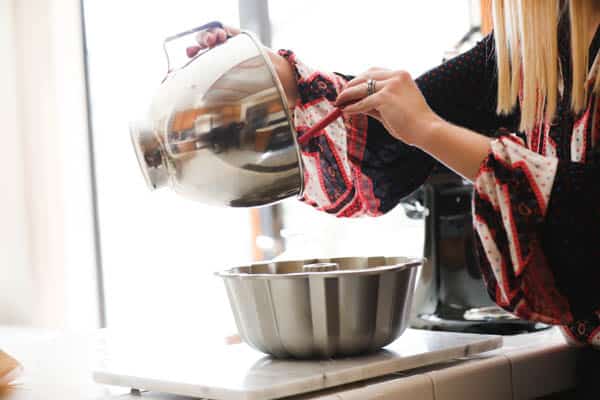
(322, 308)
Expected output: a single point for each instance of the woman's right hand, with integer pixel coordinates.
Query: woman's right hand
(210, 38)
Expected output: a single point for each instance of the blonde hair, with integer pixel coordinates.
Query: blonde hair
(526, 39)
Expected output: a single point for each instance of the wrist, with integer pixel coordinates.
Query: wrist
(460, 149)
(429, 133)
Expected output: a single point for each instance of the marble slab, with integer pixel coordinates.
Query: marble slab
(187, 367)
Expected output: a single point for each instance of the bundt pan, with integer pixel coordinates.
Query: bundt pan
(322, 308)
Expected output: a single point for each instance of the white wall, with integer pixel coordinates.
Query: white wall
(47, 259)
(81, 308)
(16, 295)
(37, 115)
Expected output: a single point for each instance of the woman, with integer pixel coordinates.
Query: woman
(537, 193)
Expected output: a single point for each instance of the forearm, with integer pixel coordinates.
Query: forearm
(460, 149)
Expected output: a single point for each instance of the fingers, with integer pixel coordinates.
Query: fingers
(373, 73)
(213, 37)
(221, 35)
(373, 112)
(192, 51)
(231, 31)
(365, 105)
(210, 38)
(356, 89)
(352, 94)
(207, 39)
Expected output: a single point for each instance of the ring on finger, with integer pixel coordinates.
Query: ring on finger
(371, 86)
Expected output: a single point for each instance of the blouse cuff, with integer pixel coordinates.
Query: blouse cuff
(514, 184)
(512, 191)
(333, 179)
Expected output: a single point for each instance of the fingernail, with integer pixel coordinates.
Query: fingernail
(192, 51)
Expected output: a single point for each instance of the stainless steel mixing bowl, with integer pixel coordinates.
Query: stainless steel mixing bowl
(219, 129)
(341, 307)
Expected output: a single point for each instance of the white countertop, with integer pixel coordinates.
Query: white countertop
(59, 365)
(181, 364)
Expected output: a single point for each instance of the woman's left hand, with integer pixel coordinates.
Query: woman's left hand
(396, 102)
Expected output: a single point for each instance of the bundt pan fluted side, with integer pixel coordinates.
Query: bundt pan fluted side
(322, 308)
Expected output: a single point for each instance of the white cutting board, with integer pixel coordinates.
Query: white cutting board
(237, 372)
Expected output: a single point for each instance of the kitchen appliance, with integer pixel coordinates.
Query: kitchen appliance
(322, 308)
(219, 129)
(450, 293)
(182, 363)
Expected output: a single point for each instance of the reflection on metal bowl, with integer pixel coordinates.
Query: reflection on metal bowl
(219, 130)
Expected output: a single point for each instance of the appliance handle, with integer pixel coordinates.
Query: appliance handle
(205, 27)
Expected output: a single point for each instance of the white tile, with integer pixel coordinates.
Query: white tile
(530, 341)
(542, 371)
(410, 387)
(486, 378)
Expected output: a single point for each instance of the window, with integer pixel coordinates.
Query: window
(159, 251)
(349, 37)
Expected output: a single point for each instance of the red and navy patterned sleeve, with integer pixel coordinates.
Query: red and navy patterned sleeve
(511, 197)
(537, 219)
(536, 209)
(354, 167)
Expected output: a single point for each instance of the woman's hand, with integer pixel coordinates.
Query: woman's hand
(396, 102)
(210, 38)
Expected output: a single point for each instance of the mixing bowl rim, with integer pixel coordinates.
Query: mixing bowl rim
(410, 263)
(286, 107)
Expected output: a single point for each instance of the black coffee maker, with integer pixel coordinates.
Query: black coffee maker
(450, 293)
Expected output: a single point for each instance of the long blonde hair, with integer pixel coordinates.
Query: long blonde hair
(526, 38)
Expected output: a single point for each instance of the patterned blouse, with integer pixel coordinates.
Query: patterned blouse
(536, 198)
